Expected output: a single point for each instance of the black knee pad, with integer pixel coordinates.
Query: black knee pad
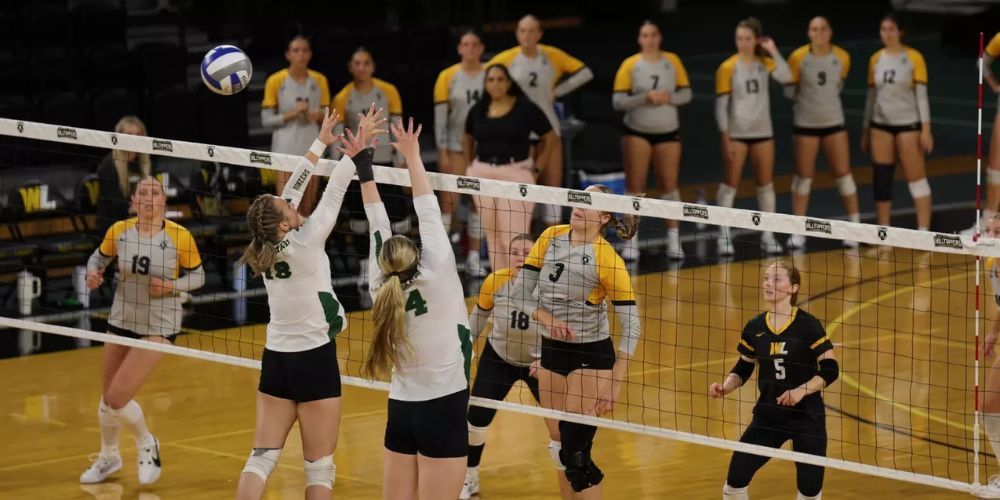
(581, 471)
(882, 174)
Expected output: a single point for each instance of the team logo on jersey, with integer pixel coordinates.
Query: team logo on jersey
(211, 151)
(760, 334)
(818, 226)
(696, 211)
(947, 241)
(586, 259)
(66, 133)
(883, 232)
(20, 127)
(467, 183)
(281, 245)
(755, 218)
(114, 140)
(161, 145)
(636, 205)
(523, 188)
(163, 245)
(262, 158)
(778, 348)
(578, 197)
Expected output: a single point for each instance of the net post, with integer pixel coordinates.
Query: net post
(979, 166)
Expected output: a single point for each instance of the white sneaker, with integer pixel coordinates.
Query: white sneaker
(149, 462)
(474, 267)
(768, 244)
(674, 249)
(725, 245)
(471, 486)
(100, 468)
(796, 241)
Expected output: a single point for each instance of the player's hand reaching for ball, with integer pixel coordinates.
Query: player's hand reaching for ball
(372, 123)
(326, 130)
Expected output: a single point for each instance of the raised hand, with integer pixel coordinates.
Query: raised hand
(407, 142)
(326, 130)
(354, 144)
(372, 122)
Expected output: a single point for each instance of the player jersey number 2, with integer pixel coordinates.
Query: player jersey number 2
(533, 79)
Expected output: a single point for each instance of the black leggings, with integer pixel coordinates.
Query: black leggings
(494, 379)
(807, 436)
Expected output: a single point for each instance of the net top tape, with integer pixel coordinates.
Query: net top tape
(663, 209)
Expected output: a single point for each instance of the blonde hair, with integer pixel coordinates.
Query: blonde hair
(398, 260)
(263, 218)
(121, 157)
(625, 225)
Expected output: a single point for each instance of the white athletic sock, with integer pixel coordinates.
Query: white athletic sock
(131, 415)
(765, 197)
(110, 429)
(446, 220)
(991, 424)
(725, 196)
(923, 228)
(730, 493)
(855, 217)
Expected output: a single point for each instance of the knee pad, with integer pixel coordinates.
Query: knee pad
(320, 472)
(993, 176)
(920, 188)
(801, 185)
(845, 185)
(818, 496)
(674, 195)
(262, 462)
(882, 175)
(766, 198)
(477, 435)
(730, 493)
(554, 448)
(581, 471)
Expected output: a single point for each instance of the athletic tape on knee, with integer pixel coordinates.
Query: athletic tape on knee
(845, 185)
(730, 493)
(321, 472)
(882, 175)
(262, 462)
(993, 177)
(818, 496)
(725, 196)
(674, 195)
(554, 448)
(477, 435)
(920, 188)
(474, 226)
(801, 185)
(766, 198)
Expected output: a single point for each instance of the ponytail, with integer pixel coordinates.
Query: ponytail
(626, 226)
(398, 261)
(263, 218)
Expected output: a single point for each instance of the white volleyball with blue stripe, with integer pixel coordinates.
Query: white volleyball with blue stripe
(226, 70)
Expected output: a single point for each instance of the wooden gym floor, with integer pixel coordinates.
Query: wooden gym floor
(901, 323)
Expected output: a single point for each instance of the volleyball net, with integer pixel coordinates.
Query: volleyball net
(904, 311)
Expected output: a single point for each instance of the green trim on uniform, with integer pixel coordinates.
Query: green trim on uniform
(331, 309)
(378, 245)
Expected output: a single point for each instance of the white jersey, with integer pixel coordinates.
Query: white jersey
(437, 324)
(818, 81)
(455, 92)
(305, 312)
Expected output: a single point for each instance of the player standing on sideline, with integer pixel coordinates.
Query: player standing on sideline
(575, 270)
(294, 99)
(511, 353)
(818, 73)
(796, 363)
(299, 378)
(152, 252)
(993, 168)
(538, 69)
(420, 337)
(457, 89)
(898, 122)
(743, 112)
(649, 86)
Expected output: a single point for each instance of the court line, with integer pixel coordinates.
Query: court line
(835, 324)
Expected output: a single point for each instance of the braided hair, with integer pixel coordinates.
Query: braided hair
(263, 218)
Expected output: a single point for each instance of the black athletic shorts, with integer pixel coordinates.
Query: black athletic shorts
(494, 378)
(301, 376)
(435, 428)
(121, 332)
(653, 139)
(897, 129)
(818, 132)
(750, 141)
(565, 357)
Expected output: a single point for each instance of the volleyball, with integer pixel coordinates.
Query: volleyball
(226, 70)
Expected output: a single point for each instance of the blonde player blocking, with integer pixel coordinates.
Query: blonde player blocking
(420, 339)
(152, 253)
(300, 378)
(457, 89)
(819, 69)
(743, 113)
(649, 87)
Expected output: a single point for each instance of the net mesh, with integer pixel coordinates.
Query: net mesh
(901, 310)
